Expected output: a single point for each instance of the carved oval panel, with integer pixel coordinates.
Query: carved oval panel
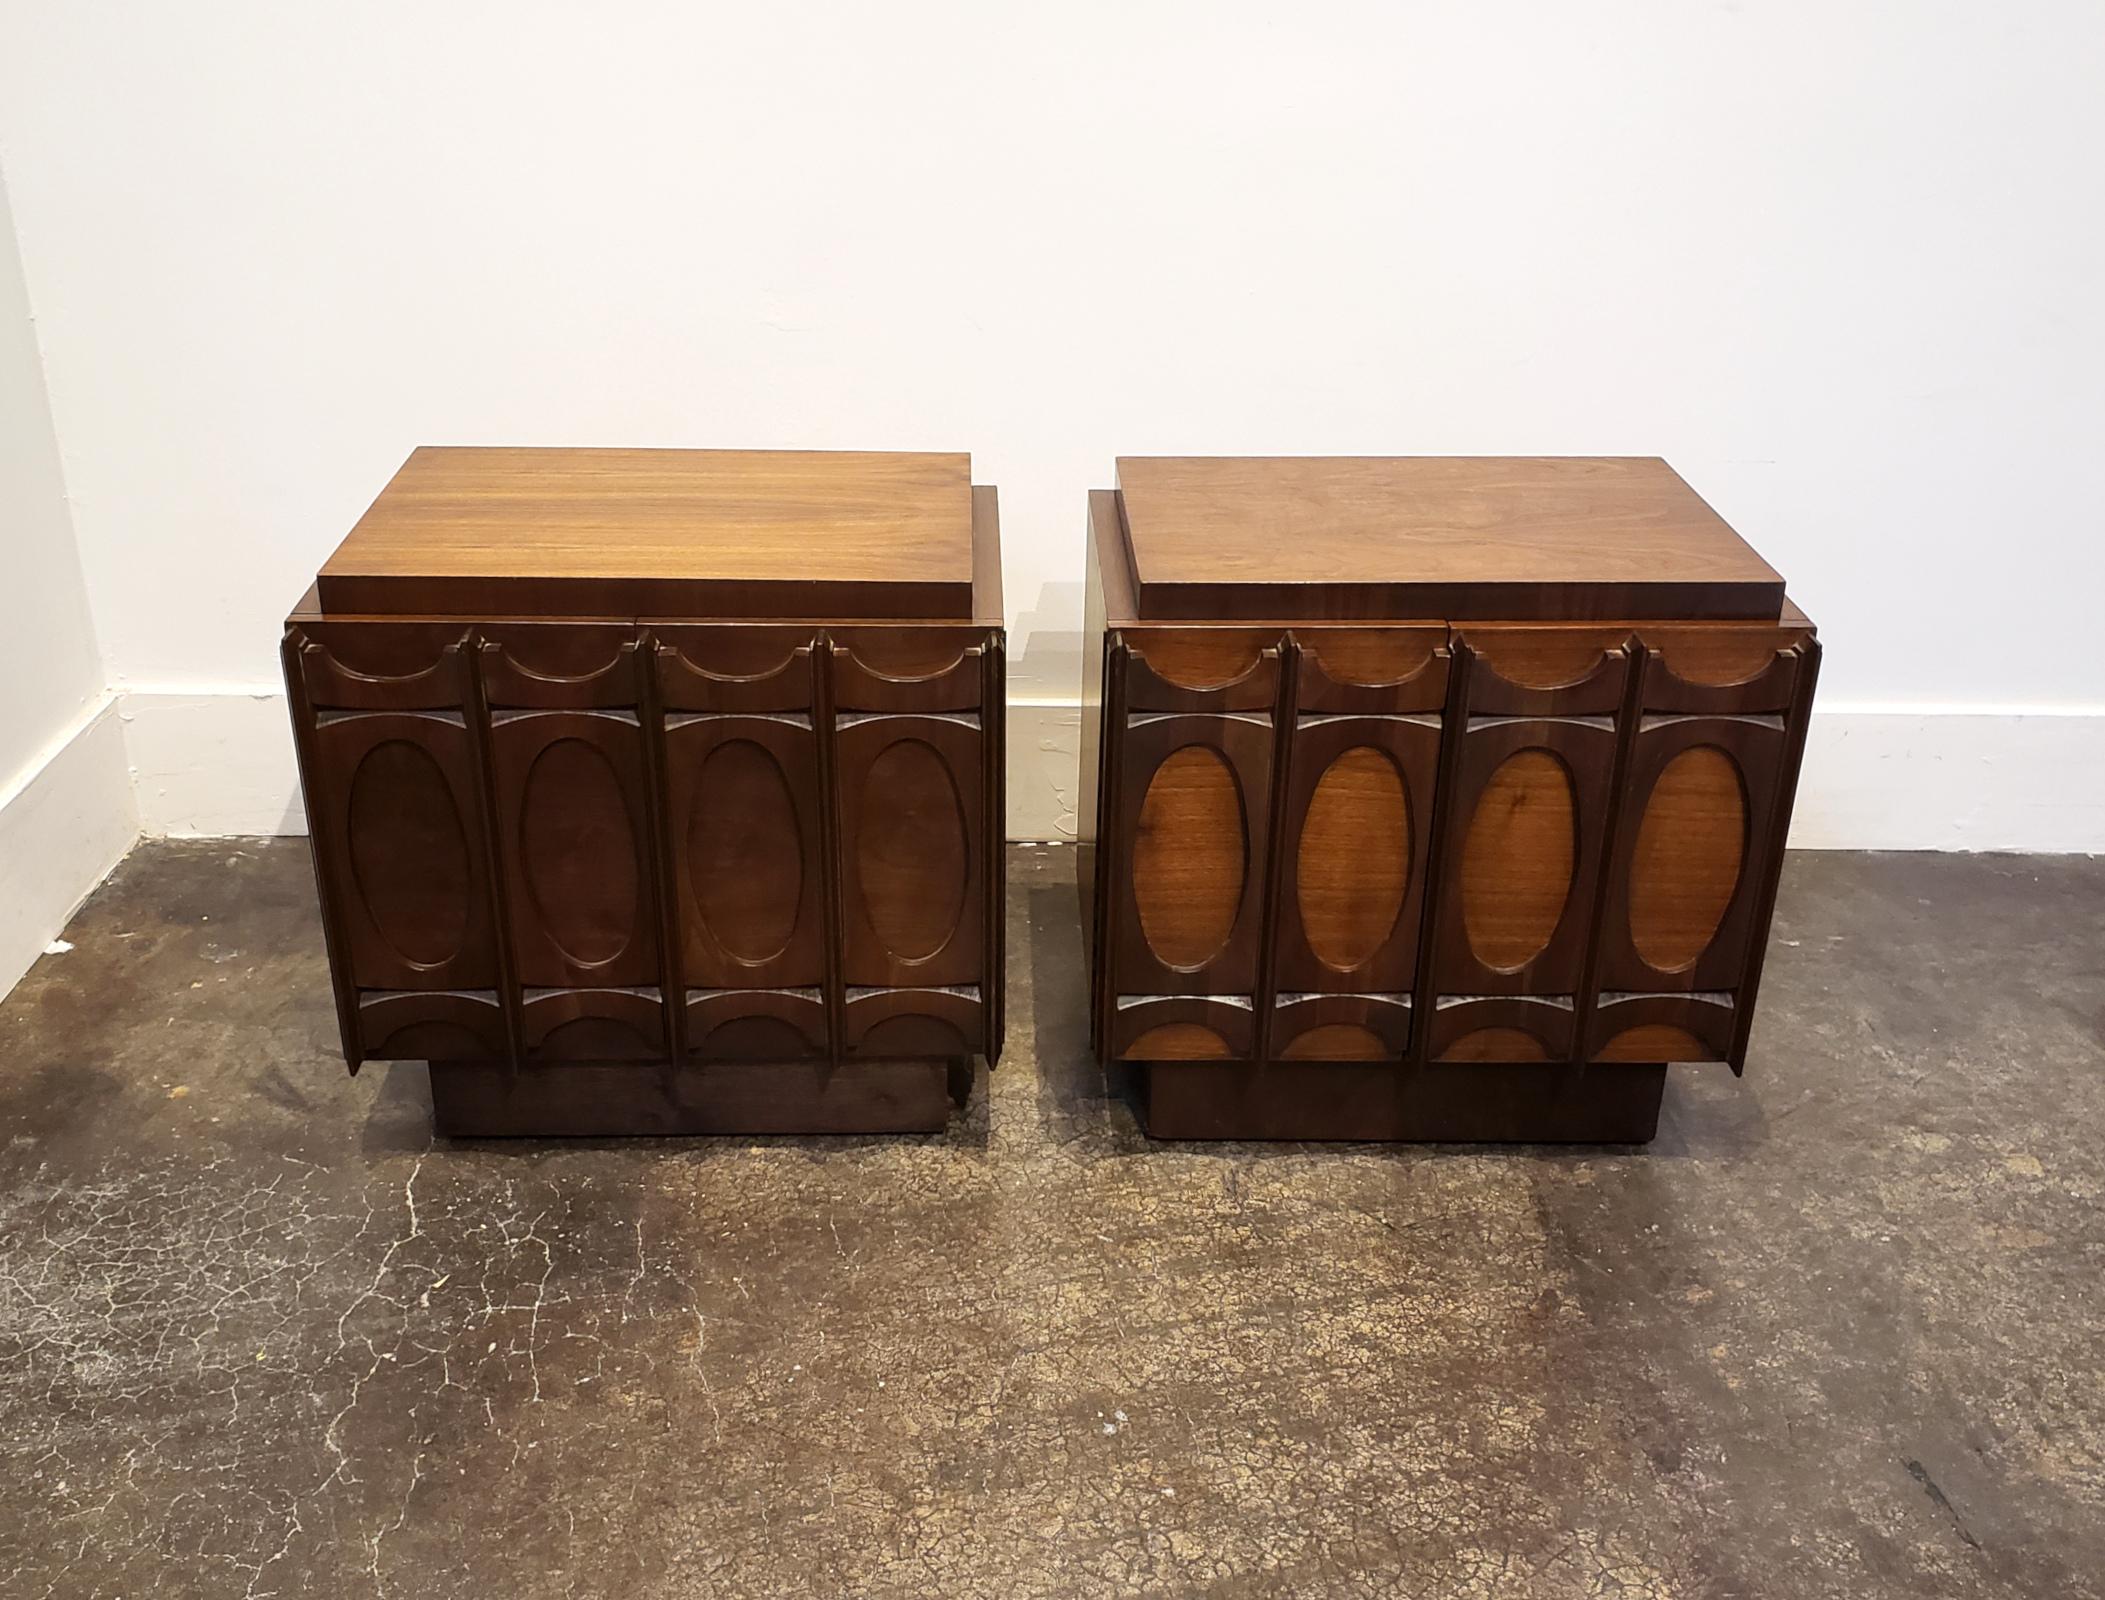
(1656, 1041)
(577, 852)
(1496, 1044)
(1686, 864)
(1518, 858)
(1354, 866)
(913, 854)
(1336, 1041)
(1190, 858)
(409, 852)
(1178, 1041)
(745, 858)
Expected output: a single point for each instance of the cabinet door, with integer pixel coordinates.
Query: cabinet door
(916, 760)
(397, 825)
(746, 824)
(1690, 852)
(912, 845)
(389, 764)
(748, 881)
(913, 871)
(1523, 839)
(1352, 850)
(1698, 840)
(575, 829)
(574, 823)
(1192, 835)
(1523, 851)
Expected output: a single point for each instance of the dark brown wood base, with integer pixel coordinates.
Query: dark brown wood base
(486, 1099)
(1460, 1102)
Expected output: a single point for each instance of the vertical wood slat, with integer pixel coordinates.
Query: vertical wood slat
(1587, 995)
(511, 999)
(672, 977)
(1283, 723)
(829, 813)
(1461, 667)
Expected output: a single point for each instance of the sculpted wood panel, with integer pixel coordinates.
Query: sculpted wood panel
(1496, 1044)
(399, 845)
(1655, 1041)
(1336, 1041)
(1199, 1027)
(756, 1024)
(1190, 858)
(1502, 1028)
(409, 853)
(1696, 849)
(909, 858)
(1355, 838)
(594, 1024)
(745, 852)
(574, 840)
(1685, 864)
(1202, 669)
(1306, 1025)
(1179, 1041)
(1353, 865)
(1518, 859)
(1194, 813)
(1524, 836)
(1372, 670)
(578, 853)
(725, 668)
(431, 1025)
(909, 1021)
(912, 842)
(742, 797)
(1663, 1027)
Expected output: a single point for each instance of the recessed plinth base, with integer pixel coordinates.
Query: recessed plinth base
(1459, 1102)
(485, 1099)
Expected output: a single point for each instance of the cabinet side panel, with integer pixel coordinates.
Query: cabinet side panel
(333, 936)
(1090, 742)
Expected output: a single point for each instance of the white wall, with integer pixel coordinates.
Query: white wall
(1838, 261)
(66, 813)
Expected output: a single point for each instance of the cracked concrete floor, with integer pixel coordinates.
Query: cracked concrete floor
(1839, 1331)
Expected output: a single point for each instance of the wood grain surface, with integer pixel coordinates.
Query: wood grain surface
(1454, 537)
(664, 533)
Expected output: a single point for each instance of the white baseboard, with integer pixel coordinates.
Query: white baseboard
(1881, 778)
(1900, 779)
(65, 821)
(212, 763)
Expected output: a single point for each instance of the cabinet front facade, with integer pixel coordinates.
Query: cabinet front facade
(597, 842)
(1417, 843)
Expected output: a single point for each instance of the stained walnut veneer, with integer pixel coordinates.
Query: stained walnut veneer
(1479, 872)
(661, 874)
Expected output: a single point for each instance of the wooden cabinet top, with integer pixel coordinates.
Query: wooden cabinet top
(1459, 537)
(670, 533)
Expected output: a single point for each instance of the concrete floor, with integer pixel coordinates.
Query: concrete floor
(1839, 1331)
